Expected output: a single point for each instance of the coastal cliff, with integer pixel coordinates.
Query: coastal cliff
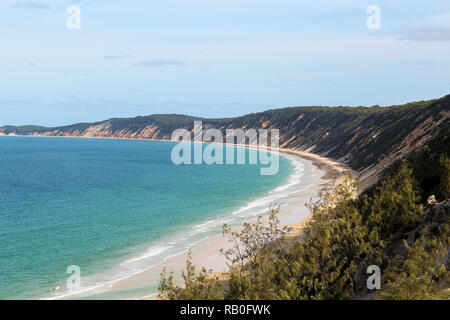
(367, 139)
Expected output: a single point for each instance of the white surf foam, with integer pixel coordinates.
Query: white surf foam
(152, 252)
(261, 205)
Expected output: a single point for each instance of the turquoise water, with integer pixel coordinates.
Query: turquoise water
(112, 207)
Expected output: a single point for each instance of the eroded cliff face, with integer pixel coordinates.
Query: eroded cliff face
(368, 140)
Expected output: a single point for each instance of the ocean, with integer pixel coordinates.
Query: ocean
(116, 207)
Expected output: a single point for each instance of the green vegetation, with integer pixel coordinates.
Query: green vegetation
(21, 129)
(431, 167)
(196, 286)
(420, 275)
(394, 205)
(386, 226)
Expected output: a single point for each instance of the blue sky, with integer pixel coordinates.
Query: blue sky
(215, 58)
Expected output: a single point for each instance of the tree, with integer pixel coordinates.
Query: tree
(394, 205)
(196, 287)
(253, 259)
(324, 264)
(420, 276)
(445, 176)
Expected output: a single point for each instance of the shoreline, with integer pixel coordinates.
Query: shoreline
(205, 253)
(293, 214)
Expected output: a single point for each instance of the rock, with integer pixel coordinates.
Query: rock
(431, 199)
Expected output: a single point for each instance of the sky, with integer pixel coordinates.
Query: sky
(215, 58)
